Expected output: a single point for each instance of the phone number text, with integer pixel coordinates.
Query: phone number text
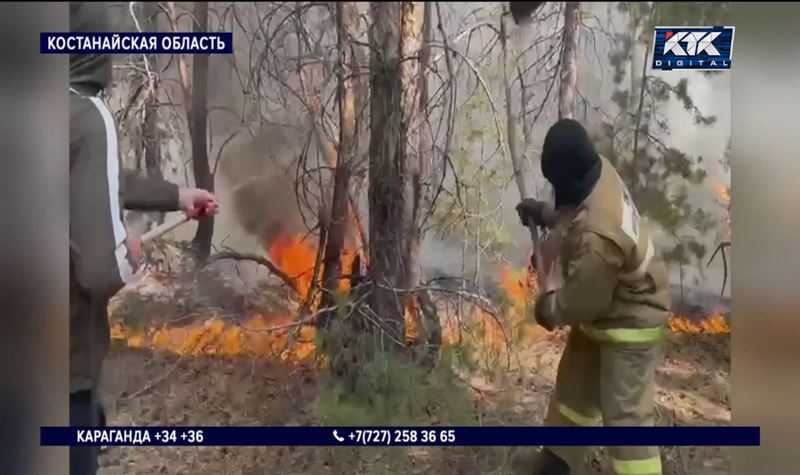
(403, 436)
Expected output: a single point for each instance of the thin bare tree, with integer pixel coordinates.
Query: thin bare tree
(346, 24)
(198, 122)
(569, 61)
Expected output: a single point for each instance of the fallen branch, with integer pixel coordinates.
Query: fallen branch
(157, 381)
(236, 256)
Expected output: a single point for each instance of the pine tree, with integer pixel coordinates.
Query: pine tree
(659, 176)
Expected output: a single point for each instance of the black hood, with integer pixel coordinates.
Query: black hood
(570, 162)
(89, 73)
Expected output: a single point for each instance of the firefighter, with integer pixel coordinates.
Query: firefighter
(609, 285)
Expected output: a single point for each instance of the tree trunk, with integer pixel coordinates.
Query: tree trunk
(516, 156)
(395, 37)
(346, 19)
(421, 197)
(309, 78)
(197, 131)
(152, 144)
(569, 62)
(331, 271)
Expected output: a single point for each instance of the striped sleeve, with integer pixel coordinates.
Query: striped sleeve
(96, 228)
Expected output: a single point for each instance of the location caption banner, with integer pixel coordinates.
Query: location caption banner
(136, 43)
(401, 436)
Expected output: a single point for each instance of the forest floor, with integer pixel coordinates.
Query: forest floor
(150, 387)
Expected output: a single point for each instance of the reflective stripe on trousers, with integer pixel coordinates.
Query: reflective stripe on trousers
(624, 335)
(649, 466)
(577, 418)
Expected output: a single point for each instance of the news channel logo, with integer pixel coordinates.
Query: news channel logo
(698, 48)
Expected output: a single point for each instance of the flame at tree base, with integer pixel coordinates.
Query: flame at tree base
(283, 337)
(297, 256)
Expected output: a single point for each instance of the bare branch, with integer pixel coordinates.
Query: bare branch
(236, 256)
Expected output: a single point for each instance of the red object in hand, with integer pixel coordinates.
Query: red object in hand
(204, 211)
(197, 203)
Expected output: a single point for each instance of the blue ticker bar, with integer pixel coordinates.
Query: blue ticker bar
(402, 436)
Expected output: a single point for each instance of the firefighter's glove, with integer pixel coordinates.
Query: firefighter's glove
(535, 212)
(544, 311)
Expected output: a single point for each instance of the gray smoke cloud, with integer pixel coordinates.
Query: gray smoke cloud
(255, 182)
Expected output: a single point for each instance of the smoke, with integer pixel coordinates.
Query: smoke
(260, 178)
(258, 169)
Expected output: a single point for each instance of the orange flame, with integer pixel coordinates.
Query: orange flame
(296, 257)
(268, 336)
(410, 319)
(518, 285)
(712, 325)
(213, 337)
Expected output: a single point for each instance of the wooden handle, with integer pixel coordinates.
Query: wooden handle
(164, 228)
(537, 250)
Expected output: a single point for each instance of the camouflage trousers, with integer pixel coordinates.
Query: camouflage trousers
(608, 381)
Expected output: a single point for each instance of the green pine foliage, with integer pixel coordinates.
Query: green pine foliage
(658, 176)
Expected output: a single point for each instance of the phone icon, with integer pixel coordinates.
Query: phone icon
(336, 436)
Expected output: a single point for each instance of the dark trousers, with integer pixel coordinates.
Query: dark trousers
(84, 411)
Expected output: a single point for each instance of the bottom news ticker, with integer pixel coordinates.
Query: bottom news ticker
(401, 436)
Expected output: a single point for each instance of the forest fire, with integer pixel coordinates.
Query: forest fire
(711, 325)
(518, 285)
(296, 257)
(276, 336)
(213, 337)
(284, 337)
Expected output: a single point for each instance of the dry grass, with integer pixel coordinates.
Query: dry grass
(143, 387)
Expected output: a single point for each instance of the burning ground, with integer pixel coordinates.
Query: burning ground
(191, 348)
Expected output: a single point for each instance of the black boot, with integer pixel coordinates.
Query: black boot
(550, 464)
(542, 462)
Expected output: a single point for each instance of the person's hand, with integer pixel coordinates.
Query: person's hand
(543, 311)
(134, 245)
(536, 212)
(197, 203)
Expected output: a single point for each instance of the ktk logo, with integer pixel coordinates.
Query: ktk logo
(696, 43)
(698, 48)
